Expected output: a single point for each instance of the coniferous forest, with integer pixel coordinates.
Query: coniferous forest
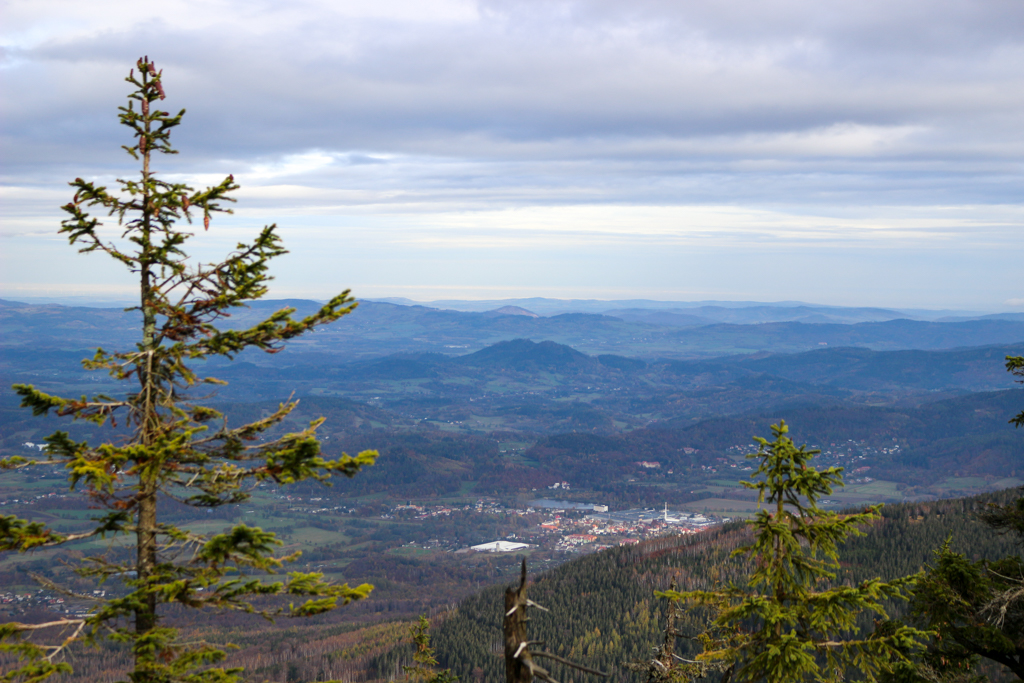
(603, 610)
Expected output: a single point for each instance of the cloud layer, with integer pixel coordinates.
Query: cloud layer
(555, 130)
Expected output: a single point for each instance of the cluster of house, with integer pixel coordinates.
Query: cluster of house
(30, 500)
(426, 511)
(11, 602)
(602, 529)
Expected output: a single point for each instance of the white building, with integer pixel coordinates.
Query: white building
(499, 547)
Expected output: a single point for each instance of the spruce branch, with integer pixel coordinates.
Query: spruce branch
(172, 447)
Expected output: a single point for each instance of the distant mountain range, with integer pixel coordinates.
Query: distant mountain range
(378, 329)
(539, 393)
(713, 311)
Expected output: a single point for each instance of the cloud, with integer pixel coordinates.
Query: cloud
(438, 81)
(546, 123)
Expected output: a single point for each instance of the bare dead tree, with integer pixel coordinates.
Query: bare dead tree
(519, 664)
(665, 666)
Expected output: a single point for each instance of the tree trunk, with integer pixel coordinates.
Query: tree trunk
(516, 668)
(145, 618)
(146, 520)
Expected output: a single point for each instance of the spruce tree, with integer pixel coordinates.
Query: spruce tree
(424, 666)
(977, 608)
(1015, 366)
(176, 448)
(791, 622)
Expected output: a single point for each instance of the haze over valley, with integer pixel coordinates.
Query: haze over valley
(513, 426)
(523, 400)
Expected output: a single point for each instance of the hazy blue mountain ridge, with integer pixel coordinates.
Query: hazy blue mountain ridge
(379, 329)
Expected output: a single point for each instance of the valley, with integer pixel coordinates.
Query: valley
(480, 415)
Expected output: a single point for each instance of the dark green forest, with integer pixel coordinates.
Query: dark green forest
(603, 610)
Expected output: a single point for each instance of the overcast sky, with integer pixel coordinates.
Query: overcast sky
(866, 153)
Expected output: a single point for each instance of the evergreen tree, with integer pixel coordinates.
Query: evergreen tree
(424, 668)
(789, 623)
(176, 447)
(1015, 365)
(977, 608)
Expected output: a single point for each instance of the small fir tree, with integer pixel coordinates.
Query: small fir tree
(1015, 366)
(176, 448)
(977, 608)
(790, 622)
(424, 667)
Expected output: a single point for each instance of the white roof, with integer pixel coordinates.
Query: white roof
(499, 547)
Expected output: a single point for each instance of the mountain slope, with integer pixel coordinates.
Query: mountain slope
(604, 614)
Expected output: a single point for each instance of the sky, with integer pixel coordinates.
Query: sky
(867, 153)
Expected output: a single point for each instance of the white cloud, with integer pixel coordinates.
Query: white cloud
(549, 125)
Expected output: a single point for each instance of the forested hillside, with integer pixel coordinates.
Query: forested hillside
(603, 611)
